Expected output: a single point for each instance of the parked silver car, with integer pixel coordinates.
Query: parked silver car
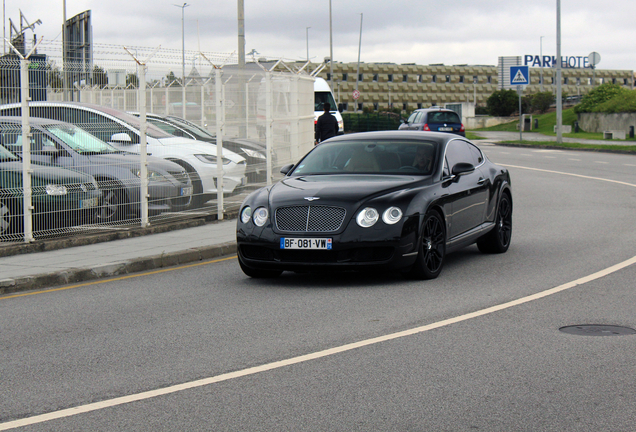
(122, 131)
(117, 172)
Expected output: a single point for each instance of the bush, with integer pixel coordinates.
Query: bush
(623, 102)
(542, 101)
(598, 96)
(503, 103)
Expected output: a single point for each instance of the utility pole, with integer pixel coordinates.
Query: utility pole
(559, 102)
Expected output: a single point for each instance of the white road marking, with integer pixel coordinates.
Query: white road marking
(630, 165)
(577, 160)
(328, 352)
(307, 357)
(548, 151)
(570, 174)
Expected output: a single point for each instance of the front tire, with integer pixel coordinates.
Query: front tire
(432, 248)
(10, 221)
(113, 206)
(498, 239)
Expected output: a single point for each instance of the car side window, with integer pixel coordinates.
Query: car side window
(457, 151)
(412, 117)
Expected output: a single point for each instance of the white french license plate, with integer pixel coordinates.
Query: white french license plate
(88, 203)
(445, 129)
(306, 243)
(186, 191)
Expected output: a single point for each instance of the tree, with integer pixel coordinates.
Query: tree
(503, 103)
(132, 79)
(542, 101)
(172, 80)
(54, 78)
(99, 77)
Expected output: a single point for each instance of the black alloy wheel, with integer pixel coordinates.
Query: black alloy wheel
(498, 239)
(432, 248)
(113, 204)
(11, 220)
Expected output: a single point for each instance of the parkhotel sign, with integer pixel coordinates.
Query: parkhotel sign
(573, 62)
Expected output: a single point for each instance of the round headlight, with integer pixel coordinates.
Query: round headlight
(246, 215)
(260, 216)
(392, 215)
(367, 217)
(56, 189)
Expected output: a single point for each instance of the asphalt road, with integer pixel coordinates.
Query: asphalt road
(479, 348)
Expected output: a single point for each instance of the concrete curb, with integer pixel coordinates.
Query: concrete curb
(76, 275)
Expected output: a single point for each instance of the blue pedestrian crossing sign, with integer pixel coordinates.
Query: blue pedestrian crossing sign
(519, 75)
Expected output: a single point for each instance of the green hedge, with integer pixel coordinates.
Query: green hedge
(365, 122)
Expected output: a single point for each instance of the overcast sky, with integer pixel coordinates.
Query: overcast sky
(474, 32)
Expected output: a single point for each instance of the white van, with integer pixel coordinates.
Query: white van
(322, 94)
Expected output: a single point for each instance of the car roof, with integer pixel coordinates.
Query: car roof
(439, 137)
(34, 121)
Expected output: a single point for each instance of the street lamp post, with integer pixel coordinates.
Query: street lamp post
(541, 60)
(307, 30)
(185, 5)
(183, 102)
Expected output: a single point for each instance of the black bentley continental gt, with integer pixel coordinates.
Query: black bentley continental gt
(377, 200)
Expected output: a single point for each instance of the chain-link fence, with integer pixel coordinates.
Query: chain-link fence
(127, 139)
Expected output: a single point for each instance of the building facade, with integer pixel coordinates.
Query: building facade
(411, 86)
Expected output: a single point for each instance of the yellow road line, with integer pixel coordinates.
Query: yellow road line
(118, 278)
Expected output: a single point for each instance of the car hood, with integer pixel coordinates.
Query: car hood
(41, 175)
(131, 160)
(340, 189)
(201, 147)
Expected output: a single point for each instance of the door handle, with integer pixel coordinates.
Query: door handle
(481, 181)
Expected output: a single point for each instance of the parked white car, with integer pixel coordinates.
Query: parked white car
(122, 131)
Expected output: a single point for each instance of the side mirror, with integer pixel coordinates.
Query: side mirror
(462, 168)
(121, 138)
(340, 107)
(287, 168)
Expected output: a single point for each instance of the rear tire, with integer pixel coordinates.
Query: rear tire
(498, 239)
(432, 248)
(259, 273)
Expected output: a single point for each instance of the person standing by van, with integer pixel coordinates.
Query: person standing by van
(327, 125)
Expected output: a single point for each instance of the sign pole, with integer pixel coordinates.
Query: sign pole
(519, 91)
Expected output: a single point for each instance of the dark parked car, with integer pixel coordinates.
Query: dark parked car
(434, 120)
(377, 200)
(60, 197)
(117, 172)
(253, 151)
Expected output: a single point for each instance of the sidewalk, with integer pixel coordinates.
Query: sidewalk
(496, 136)
(112, 258)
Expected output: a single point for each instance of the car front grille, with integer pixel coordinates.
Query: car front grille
(309, 218)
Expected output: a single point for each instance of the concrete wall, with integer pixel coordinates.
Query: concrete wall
(486, 121)
(598, 122)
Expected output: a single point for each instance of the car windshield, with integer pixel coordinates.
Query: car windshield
(6, 155)
(370, 157)
(135, 123)
(320, 98)
(79, 140)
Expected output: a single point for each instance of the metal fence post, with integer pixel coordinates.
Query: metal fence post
(220, 124)
(269, 137)
(26, 151)
(143, 146)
